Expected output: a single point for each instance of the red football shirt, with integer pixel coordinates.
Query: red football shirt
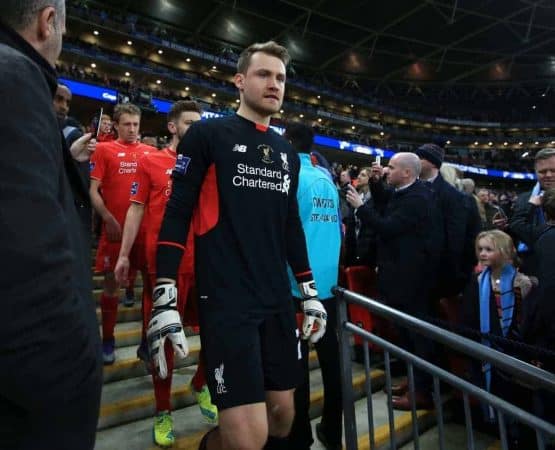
(114, 164)
(105, 137)
(152, 188)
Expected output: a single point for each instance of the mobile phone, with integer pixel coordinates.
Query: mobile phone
(378, 160)
(95, 124)
(500, 214)
(98, 124)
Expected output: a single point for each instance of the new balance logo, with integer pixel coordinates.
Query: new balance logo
(121, 154)
(240, 148)
(168, 171)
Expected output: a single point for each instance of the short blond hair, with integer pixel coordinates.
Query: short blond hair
(270, 48)
(501, 241)
(126, 108)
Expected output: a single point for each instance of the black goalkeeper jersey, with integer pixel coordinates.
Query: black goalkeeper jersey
(235, 181)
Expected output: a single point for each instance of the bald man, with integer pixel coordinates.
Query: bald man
(405, 248)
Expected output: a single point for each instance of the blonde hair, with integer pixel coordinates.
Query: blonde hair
(501, 241)
(450, 174)
(125, 108)
(368, 170)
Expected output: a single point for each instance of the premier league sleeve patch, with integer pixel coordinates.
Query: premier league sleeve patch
(91, 166)
(182, 164)
(134, 188)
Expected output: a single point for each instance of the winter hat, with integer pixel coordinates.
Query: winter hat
(431, 152)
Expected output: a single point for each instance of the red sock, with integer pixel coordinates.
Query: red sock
(131, 277)
(109, 308)
(199, 379)
(162, 388)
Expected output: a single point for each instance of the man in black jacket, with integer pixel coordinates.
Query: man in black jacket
(406, 272)
(453, 276)
(528, 220)
(49, 345)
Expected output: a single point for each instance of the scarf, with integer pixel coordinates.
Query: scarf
(508, 274)
(522, 247)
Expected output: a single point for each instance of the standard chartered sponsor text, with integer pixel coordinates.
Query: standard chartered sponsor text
(258, 182)
(127, 167)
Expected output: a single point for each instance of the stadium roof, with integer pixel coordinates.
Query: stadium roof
(449, 42)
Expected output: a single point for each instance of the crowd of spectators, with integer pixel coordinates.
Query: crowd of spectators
(505, 159)
(481, 104)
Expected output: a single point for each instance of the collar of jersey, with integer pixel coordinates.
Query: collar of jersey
(258, 126)
(128, 145)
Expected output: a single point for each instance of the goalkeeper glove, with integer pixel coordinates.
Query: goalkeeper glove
(314, 312)
(165, 324)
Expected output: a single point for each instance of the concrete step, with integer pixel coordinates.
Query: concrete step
(125, 313)
(127, 365)
(455, 434)
(138, 294)
(130, 399)
(455, 438)
(187, 419)
(98, 280)
(127, 333)
(402, 423)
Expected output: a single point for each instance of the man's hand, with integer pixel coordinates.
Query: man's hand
(82, 149)
(122, 271)
(113, 229)
(165, 324)
(352, 197)
(314, 313)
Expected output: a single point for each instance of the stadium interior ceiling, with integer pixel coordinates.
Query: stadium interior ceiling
(434, 41)
(440, 57)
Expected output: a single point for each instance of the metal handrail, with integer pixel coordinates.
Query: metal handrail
(516, 367)
(532, 375)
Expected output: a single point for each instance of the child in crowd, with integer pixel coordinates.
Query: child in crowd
(492, 304)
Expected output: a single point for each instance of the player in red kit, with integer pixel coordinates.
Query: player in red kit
(150, 192)
(113, 167)
(106, 132)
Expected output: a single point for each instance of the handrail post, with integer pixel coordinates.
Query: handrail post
(349, 418)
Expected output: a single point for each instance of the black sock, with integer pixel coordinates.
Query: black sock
(275, 443)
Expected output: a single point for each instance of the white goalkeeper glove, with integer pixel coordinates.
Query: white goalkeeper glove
(314, 312)
(165, 324)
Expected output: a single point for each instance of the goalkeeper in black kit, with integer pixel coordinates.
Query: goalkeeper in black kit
(235, 183)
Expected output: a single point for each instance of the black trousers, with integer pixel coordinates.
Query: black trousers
(327, 350)
(66, 425)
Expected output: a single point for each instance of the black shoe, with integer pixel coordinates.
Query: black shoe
(324, 440)
(128, 299)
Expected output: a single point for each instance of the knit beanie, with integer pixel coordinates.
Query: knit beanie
(431, 152)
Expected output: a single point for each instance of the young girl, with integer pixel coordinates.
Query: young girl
(492, 303)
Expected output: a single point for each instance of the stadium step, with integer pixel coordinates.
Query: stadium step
(99, 279)
(127, 333)
(138, 294)
(127, 365)
(125, 313)
(130, 410)
(455, 438)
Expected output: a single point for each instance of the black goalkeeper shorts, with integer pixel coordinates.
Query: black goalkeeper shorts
(245, 357)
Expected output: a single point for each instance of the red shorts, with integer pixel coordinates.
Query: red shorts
(108, 252)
